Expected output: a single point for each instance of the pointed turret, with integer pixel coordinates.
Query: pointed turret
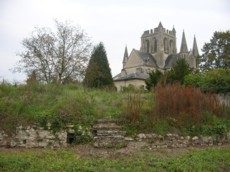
(195, 49)
(174, 31)
(126, 56)
(183, 48)
(160, 25)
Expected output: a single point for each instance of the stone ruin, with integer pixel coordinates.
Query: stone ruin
(107, 134)
(38, 137)
(34, 137)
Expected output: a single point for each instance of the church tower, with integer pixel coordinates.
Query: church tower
(157, 52)
(159, 42)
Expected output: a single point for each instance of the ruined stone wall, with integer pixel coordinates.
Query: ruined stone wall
(107, 134)
(33, 137)
(155, 141)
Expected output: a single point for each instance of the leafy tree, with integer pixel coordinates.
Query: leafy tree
(179, 70)
(55, 56)
(98, 74)
(216, 80)
(216, 52)
(154, 77)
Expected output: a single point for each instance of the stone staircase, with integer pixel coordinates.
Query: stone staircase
(107, 134)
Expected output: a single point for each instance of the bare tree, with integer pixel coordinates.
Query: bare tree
(55, 56)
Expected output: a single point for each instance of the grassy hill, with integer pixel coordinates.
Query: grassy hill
(139, 111)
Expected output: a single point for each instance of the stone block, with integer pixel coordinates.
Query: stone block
(141, 136)
(195, 138)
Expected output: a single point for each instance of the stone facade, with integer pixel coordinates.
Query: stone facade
(158, 51)
(138, 83)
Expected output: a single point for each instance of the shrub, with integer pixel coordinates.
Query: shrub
(185, 104)
(216, 80)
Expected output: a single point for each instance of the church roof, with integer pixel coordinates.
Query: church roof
(171, 59)
(135, 60)
(147, 58)
(139, 76)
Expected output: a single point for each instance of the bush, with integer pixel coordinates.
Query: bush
(185, 104)
(216, 80)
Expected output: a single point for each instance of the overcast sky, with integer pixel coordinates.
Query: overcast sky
(116, 23)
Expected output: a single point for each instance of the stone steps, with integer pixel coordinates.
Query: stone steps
(107, 134)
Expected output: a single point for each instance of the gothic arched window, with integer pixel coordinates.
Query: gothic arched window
(147, 46)
(155, 45)
(171, 46)
(166, 45)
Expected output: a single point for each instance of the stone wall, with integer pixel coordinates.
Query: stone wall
(137, 83)
(176, 141)
(107, 134)
(34, 137)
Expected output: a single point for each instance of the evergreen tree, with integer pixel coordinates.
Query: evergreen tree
(179, 70)
(98, 73)
(153, 78)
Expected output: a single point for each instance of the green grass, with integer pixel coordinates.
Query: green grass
(212, 159)
(72, 103)
(63, 104)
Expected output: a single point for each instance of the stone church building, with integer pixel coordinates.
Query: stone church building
(158, 51)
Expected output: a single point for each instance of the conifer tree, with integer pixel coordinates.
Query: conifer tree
(98, 73)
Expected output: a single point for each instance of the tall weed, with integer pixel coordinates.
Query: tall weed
(134, 105)
(185, 104)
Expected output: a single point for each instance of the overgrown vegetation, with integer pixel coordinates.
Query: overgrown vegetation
(216, 80)
(217, 160)
(57, 104)
(185, 104)
(176, 108)
(171, 108)
(175, 75)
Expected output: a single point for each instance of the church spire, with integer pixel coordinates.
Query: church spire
(174, 30)
(183, 48)
(160, 25)
(126, 56)
(195, 49)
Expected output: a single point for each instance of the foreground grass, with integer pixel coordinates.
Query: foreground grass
(212, 159)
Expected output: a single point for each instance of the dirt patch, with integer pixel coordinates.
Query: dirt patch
(88, 151)
(113, 153)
